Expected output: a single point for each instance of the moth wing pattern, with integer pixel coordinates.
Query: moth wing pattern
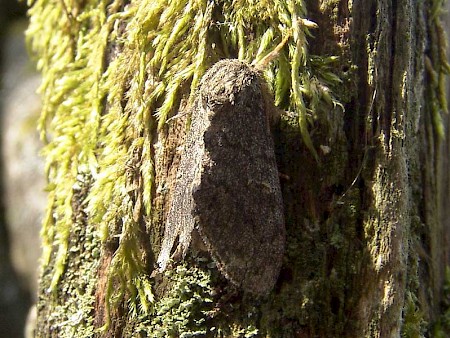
(228, 186)
(180, 221)
(238, 205)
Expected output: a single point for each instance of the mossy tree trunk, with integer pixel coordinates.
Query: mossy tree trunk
(359, 148)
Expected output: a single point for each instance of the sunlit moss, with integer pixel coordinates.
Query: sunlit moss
(413, 321)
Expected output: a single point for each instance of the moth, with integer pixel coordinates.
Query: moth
(227, 187)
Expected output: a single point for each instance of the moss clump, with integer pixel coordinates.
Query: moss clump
(183, 311)
(414, 324)
(71, 315)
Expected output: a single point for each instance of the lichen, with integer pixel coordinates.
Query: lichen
(71, 315)
(183, 311)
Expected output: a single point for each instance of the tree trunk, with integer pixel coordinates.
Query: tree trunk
(360, 148)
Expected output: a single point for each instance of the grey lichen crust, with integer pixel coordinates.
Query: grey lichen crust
(227, 184)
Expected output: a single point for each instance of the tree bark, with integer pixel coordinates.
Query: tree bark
(360, 151)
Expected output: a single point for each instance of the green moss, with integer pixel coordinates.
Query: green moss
(331, 6)
(413, 322)
(322, 256)
(190, 307)
(182, 312)
(70, 315)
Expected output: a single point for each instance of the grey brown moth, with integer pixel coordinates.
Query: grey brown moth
(227, 187)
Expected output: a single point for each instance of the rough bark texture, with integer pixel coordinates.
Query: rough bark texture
(365, 245)
(391, 110)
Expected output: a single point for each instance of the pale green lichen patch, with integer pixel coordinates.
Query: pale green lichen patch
(195, 305)
(183, 312)
(73, 302)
